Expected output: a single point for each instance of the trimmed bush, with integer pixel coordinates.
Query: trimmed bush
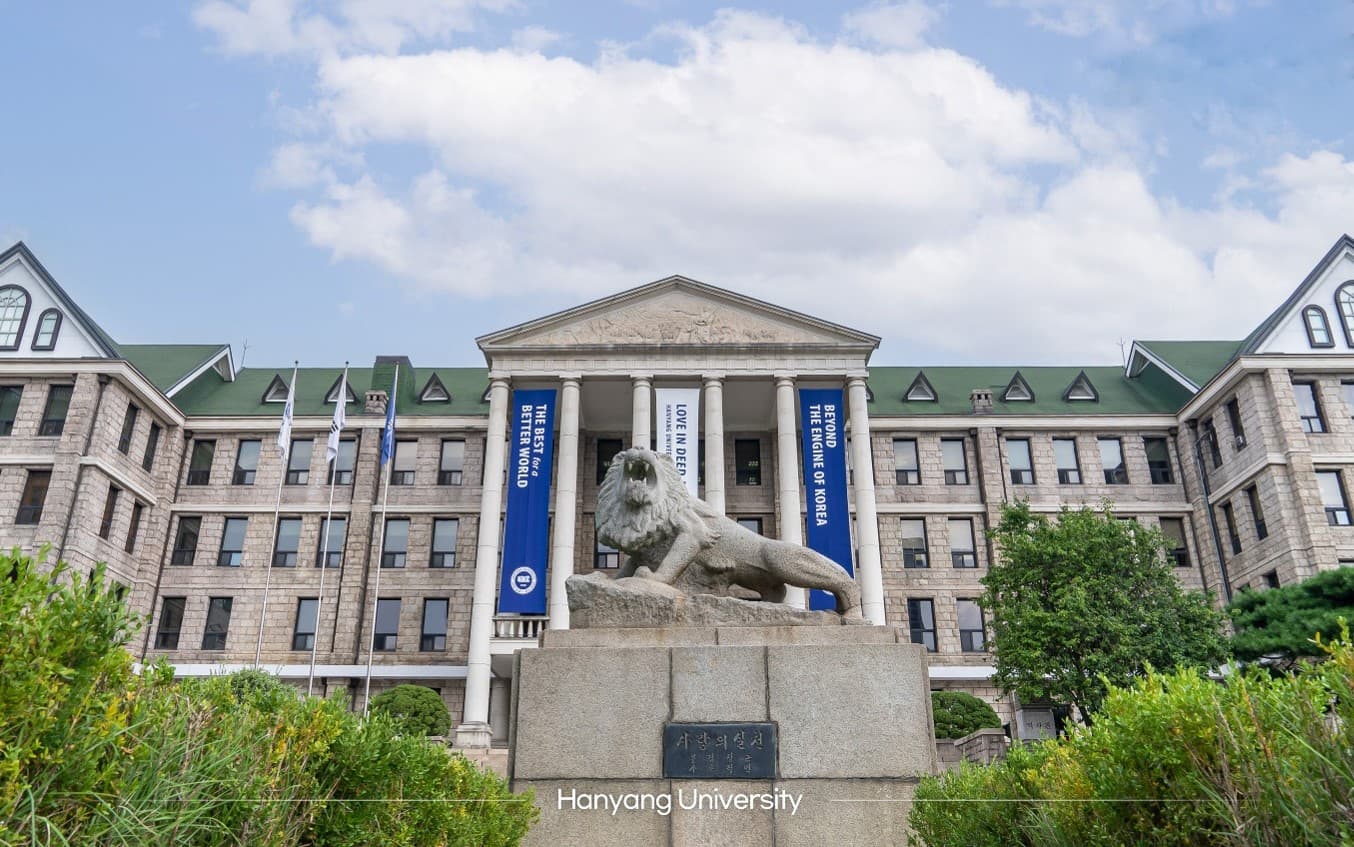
(414, 710)
(957, 713)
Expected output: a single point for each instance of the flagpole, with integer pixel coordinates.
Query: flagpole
(284, 453)
(380, 540)
(324, 542)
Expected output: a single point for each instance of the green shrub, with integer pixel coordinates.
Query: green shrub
(414, 710)
(1174, 759)
(957, 713)
(92, 753)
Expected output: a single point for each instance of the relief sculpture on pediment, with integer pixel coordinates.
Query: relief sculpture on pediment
(671, 324)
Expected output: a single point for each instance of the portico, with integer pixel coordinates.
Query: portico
(605, 359)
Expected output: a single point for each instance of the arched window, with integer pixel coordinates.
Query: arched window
(1318, 328)
(49, 324)
(14, 304)
(1344, 307)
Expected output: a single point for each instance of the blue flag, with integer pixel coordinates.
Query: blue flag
(823, 420)
(388, 434)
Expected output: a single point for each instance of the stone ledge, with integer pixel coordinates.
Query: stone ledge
(598, 602)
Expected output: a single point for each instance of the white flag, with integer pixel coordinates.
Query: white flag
(340, 417)
(284, 431)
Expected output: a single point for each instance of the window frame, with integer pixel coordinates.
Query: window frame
(916, 622)
(286, 558)
(29, 513)
(56, 330)
(152, 446)
(1179, 555)
(404, 476)
(1316, 311)
(110, 509)
(50, 426)
(213, 604)
(604, 557)
(966, 634)
(331, 557)
(305, 640)
(1121, 470)
(1211, 439)
(911, 554)
(201, 476)
(379, 644)
(603, 466)
(1229, 523)
(1156, 473)
(163, 633)
(1314, 423)
(7, 423)
(241, 475)
(450, 476)
(904, 475)
(389, 557)
(129, 419)
(447, 557)
(1257, 511)
(1025, 475)
(134, 526)
(230, 557)
(960, 558)
(1233, 410)
(179, 554)
(23, 316)
(955, 476)
(1064, 474)
(1335, 515)
(339, 474)
(747, 471)
(1344, 309)
(299, 475)
(425, 635)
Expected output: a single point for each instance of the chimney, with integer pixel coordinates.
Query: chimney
(981, 399)
(376, 402)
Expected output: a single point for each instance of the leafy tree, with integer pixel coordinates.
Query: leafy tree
(957, 713)
(415, 709)
(1088, 600)
(1283, 622)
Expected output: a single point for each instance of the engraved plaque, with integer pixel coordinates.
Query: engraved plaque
(719, 751)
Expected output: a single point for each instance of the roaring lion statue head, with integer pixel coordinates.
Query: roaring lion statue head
(641, 500)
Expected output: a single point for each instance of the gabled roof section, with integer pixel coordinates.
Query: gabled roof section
(173, 367)
(1017, 390)
(1081, 390)
(276, 392)
(212, 396)
(331, 396)
(1190, 363)
(677, 312)
(921, 390)
(434, 391)
(1152, 393)
(102, 340)
(1256, 341)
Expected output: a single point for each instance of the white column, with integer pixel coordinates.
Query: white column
(714, 442)
(642, 413)
(474, 729)
(869, 568)
(566, 505)
(787, 477)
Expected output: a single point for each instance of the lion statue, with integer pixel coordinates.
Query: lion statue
(644, 509)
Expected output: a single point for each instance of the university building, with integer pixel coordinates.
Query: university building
(162, 461)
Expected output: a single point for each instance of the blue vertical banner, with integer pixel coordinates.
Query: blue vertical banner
(822, 422)
(526, 528)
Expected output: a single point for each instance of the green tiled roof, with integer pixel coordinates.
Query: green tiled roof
(1199, 361)
(166, 364)
(213, 396)
(1150, 394)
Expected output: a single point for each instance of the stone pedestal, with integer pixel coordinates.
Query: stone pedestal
(851, 706)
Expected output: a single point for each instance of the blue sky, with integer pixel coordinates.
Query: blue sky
(1017, 181)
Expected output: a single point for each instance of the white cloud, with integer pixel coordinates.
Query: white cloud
(533, 39)
(891, 24)
(1122, 23)
(904, 191)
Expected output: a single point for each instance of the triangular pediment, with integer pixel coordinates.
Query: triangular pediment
(677, 312)
(1318, 317)
(38, 319)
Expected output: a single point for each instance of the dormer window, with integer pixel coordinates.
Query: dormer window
(49, 324)
(434, 391)
(1017, 390)
(920, 391)
(14, 304)
(1344, 307)
(276, 391)
(1318, 327)
(332, 396)
(1081, 389)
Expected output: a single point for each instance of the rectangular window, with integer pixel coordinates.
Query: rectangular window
(396, 546)
(406, 461)
(434, 624)
(607, 448)
(185, 540)
(10, 395)
(333, 537)
(921, 620)
(1234, 420)
(1271, 579)
(246, 462)
(1158, 460)
(1346, 390)
(218, 623)
(298, 461)
(1333, 497)
(1176, 549)
(288, 541)
(906, 470)
(444, 543)
(1309, 408)
(387, 625)
(33, 497)
(128, 428)
(200, 464)
(972, 635)
(1211, 442)
(1229, 520)
(54, 414)
(134, 529)
(1022, 466)
(1257, 512)
(110, 506)
(452, 464)
(606, 556)
(754, 524)
(954, 460)
(341, 469)
(1112, 461)
(152, 443)
(747, 458)
(232, 543)
(171, 623)
(963, 552)
(914, 543)
(1065, 456)
(307, 613)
